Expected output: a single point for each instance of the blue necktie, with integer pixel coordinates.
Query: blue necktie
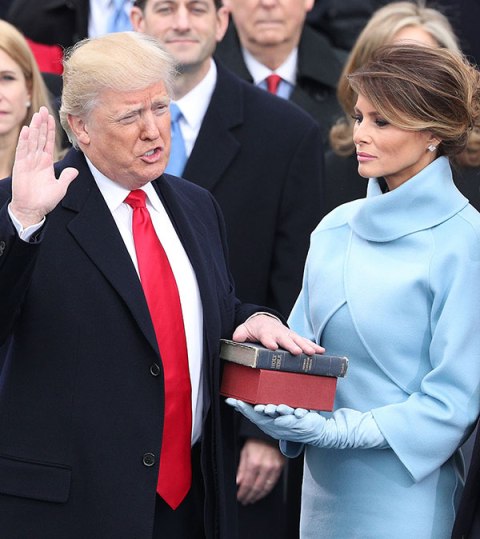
(119, 21)
(178, 154)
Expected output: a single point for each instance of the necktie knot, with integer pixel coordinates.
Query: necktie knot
(273, 81)
(136, 199)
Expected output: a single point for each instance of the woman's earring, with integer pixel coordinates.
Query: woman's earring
(432, 148)
(28, 104)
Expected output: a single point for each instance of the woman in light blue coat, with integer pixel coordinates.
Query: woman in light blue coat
(393, 282)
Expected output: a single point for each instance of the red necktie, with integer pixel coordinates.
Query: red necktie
(272, 83)
(161, 293)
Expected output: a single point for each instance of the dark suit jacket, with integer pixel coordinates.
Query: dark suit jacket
(319, 68)
(79, 405)
(262, 159)
(4, 6)
(467, 179)
(343, 183)
(342, 21)
(464, 16)
(53, 22)
(469, 510)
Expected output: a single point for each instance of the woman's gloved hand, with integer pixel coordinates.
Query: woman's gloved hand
(345, 429)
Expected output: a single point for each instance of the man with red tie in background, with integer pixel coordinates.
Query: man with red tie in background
(115, 294)
(271, 38)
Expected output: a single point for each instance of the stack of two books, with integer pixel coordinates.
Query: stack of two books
(257, 375)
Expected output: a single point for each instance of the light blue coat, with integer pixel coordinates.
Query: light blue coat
(395, 278)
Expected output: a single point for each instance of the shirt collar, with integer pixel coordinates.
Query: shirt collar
(194, 105)
(115, 194)
(259, 72)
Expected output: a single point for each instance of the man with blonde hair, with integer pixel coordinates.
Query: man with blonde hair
(115, 294)
(269, 44)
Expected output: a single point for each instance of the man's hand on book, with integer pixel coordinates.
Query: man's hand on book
(269, 331)
(346, 429)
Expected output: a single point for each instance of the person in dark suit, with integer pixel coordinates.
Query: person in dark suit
(63, 22)
(4, 6)
(306, 61)
(464, 14)
(343, 21)
(261, 158)
(51, 23)
(467, 518)
(82, 393)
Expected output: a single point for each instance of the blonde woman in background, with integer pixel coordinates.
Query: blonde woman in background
(393, 23)
(22, 92)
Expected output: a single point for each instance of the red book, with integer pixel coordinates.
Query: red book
(261, 386)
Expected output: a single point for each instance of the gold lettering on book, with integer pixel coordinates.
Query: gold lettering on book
(307, 364)
(276, 361)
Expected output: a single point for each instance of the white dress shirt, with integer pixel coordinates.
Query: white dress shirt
(194, 106)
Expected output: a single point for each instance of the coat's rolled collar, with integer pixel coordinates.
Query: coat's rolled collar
(427, 199)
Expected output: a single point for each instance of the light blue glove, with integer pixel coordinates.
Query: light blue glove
(345, 429)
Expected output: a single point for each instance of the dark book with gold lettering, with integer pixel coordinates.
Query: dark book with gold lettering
(257, 375)
(257, 356)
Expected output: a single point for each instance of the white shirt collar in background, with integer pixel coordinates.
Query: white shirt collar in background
(100, 12)
(194, 106)
(259, 72)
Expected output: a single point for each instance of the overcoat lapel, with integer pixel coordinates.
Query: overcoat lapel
(216, 132)
(95, 231)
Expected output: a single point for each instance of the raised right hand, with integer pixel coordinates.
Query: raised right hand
(35, 190)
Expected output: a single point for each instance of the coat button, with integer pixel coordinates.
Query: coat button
(149, 459)
(2, 247)
(154, 369)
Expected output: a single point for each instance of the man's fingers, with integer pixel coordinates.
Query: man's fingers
(50, 141)
(33, 133)
(68, 175)
(240, 334)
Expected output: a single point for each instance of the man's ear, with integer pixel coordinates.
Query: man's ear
(222, 23)
(137, 20)
(79, 129)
